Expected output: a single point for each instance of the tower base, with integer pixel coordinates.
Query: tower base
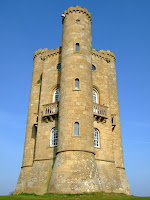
(23, 178)
(75, 172)
(113, 179)
(37, 179)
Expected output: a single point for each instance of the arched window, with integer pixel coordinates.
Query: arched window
(96, 138)
(56, 95)
(76, 83)
(76, 128)
(53, 137)
(95, 96)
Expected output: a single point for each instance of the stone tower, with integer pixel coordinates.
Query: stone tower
(73, 137)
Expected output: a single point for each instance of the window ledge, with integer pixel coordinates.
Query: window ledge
(76, 90)
(76, 135)
(49, 147)
(77, 52)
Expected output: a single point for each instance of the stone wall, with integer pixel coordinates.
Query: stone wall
(74, 165)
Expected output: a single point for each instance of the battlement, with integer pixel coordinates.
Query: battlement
(106, 55)
(78, 9)
(44, 53)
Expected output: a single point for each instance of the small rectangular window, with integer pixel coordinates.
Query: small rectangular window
(77, 47)
(76, 128)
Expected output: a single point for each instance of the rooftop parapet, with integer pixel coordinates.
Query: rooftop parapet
(43, 53)
(106, 55)
(78, 9)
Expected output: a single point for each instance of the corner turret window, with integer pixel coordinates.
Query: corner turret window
(59, 66)
(77, 47)
(53, 137)
(76, 83)
(96, 138)
(93, 68)
(56, 95)
(76, 128)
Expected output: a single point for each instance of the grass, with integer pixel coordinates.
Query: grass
(85, 196)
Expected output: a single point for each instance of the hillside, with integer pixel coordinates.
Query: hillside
(92, 196)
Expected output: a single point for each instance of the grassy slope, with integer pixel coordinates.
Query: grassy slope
(92, 196)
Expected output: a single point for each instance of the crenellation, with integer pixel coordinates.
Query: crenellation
(107, 55)
(78, 9)
(44, 53)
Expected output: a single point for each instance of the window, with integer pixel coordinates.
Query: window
(96, 138)
(59, 66)
(95, 96)
(77, 47)
(53, 137)
(76, 128)
(77, 20)
(93, 68)
(112, 120)
(56, 95)
(76, 83)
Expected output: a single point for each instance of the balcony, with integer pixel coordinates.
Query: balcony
(100, 113)
(50, 112)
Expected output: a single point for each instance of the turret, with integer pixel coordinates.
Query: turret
(75, 165)
(31, 129)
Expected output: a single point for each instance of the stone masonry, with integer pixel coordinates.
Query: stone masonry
(73, 136)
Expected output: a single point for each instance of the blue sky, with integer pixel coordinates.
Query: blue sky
(120, 26)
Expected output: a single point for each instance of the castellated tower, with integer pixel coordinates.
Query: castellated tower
(73, 137)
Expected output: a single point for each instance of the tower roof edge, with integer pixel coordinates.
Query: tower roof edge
(47, 52)
(78, 9)
(105, 54)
